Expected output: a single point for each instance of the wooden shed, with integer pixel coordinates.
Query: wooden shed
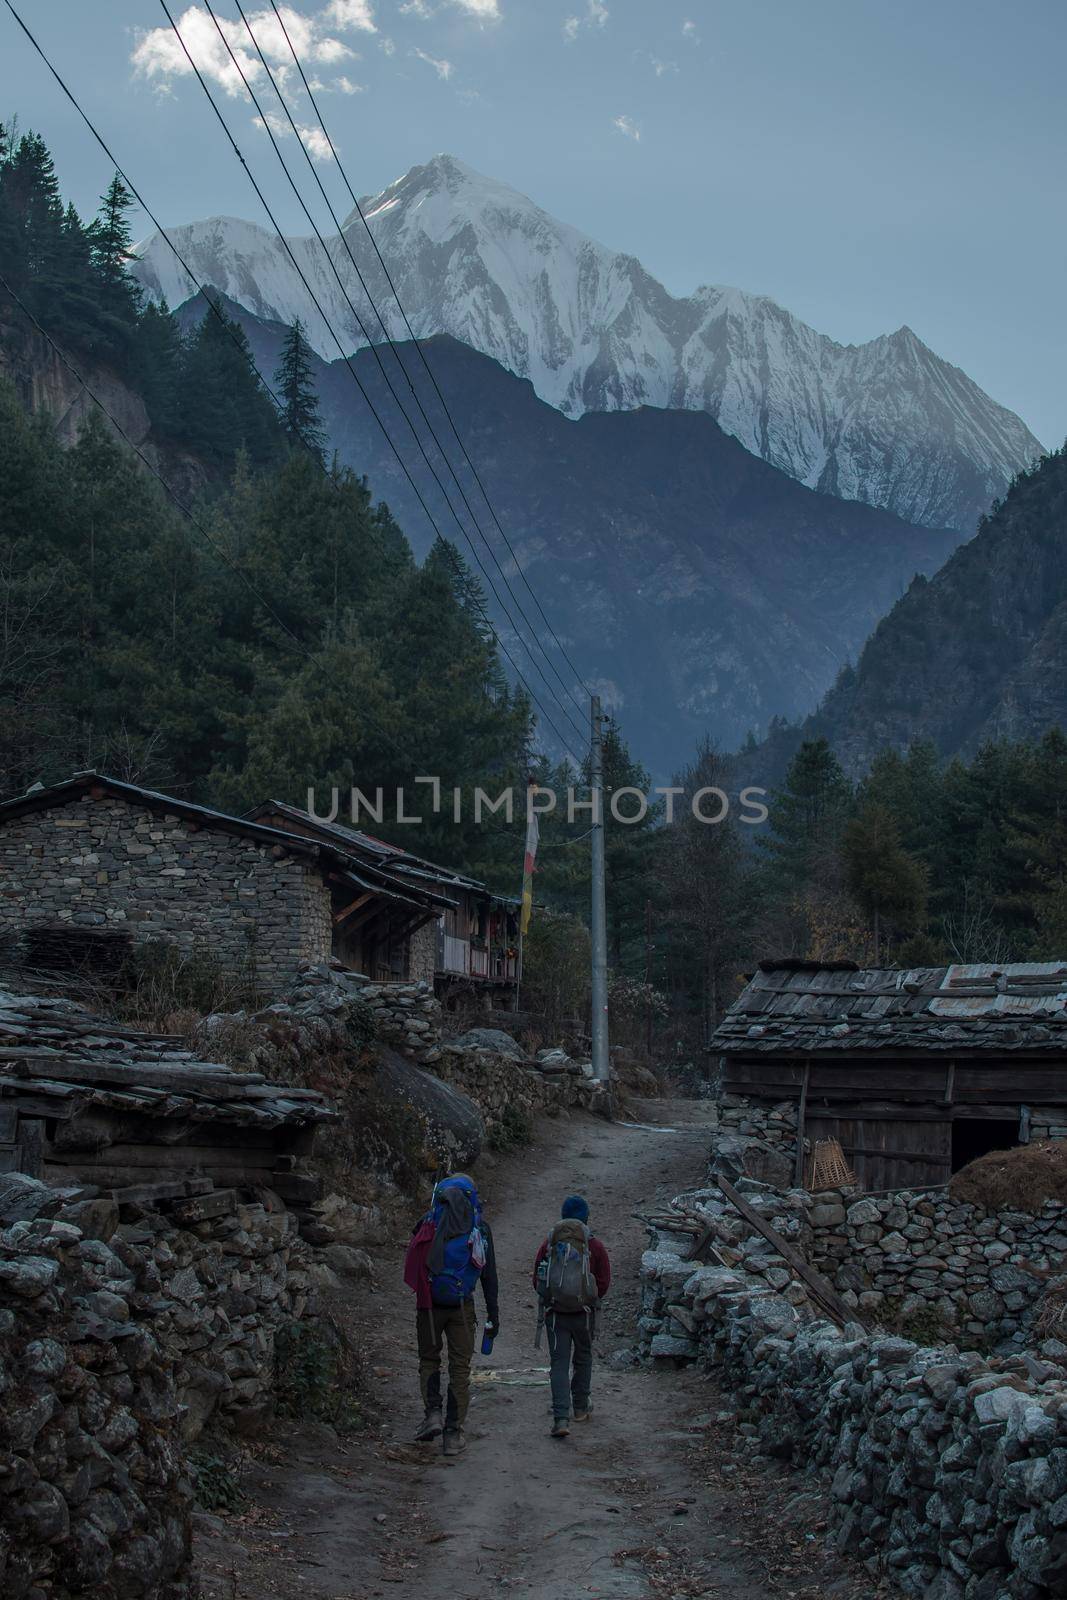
(914, 1072)
(84, 1099)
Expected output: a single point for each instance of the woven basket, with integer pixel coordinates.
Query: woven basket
(827, 1167)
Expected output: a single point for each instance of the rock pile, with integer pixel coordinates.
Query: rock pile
(948, 1468)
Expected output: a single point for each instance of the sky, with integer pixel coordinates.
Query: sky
(867, 163)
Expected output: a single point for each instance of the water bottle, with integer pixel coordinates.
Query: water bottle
(487, 1342)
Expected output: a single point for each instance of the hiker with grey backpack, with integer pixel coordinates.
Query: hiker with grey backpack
(572, 1274)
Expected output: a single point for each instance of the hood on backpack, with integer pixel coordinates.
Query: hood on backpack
(457, 1198)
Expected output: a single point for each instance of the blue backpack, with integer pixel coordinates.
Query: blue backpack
(457, 1254)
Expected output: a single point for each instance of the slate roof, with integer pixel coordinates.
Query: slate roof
(391, 857)
(55, 1050)
(803, 1008)
(325, 852)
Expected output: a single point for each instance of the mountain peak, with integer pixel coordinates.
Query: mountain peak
(592, 330)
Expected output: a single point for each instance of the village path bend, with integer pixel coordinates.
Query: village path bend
(621, 1510)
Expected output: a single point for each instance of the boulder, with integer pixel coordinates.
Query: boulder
(451, 1129)
(495, 1039)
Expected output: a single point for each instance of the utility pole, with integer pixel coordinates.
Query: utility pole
(648, 978)
(599, 918)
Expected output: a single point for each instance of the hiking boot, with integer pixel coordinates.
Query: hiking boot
(431, 1425)
(560, 1428)
(454, 1442)
(583, 1413)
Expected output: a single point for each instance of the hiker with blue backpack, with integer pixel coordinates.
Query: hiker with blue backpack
(572, 1274)
(450, 1253)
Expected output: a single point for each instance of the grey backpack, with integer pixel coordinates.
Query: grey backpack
(567, 1274)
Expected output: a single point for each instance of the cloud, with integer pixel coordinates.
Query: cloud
(663, 68)
(159, 57)
(387, 45)
(443, 69)
(311, 137)
(481, 10)
(628, 127)
(356, 14)
(596, 16)
(690, 32)
(345, 85)
(417, 8)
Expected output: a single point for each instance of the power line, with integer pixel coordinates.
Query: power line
(378, 361)
(355, 376)
(225, 322)
(246, 354)
(411, 333)
(405, 375)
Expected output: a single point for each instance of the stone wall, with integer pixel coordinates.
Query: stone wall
(110, 864)
(406, 1015)
(978, 1274)
(422, 954)
(508, 1092)
(949, 1468)
(93, 1497)
(125, 1332)
(755, 1140)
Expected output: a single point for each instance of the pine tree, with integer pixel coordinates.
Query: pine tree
(110, 239)
(295, 383)
(808, 814)
(888, 883)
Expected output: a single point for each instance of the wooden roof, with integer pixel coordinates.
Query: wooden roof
(800, 1008)
(63, 1058)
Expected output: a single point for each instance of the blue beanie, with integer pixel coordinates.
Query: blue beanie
(577, 1207)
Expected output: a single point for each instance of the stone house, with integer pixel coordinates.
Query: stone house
(914, 1072)
(93, 866)
(469, 949)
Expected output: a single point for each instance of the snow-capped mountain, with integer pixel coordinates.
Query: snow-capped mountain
(886, 422)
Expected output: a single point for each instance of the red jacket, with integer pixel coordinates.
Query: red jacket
(598, 1261)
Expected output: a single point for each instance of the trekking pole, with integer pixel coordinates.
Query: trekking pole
(540, 1324)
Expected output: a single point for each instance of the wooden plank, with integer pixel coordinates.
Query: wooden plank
(216, 1083)
(8, 1123)
(200, 1208)
(173, 1189)
(360, 900)
(802, 1106)
(183, 1157)
(824, 1292)
(31, 1146)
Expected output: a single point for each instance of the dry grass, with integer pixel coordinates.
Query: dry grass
(1014, 1180)
(1052, 1318)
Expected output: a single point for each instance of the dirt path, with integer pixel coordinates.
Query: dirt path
(626, 1506)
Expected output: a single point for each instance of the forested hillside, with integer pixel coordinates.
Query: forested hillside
(977, 652)
(283, 636)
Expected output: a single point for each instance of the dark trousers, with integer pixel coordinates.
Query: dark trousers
(457, 1325)
(570, 1340)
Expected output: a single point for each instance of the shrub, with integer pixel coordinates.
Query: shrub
(513, 1131)
(317, 1373)
(214, 1482)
